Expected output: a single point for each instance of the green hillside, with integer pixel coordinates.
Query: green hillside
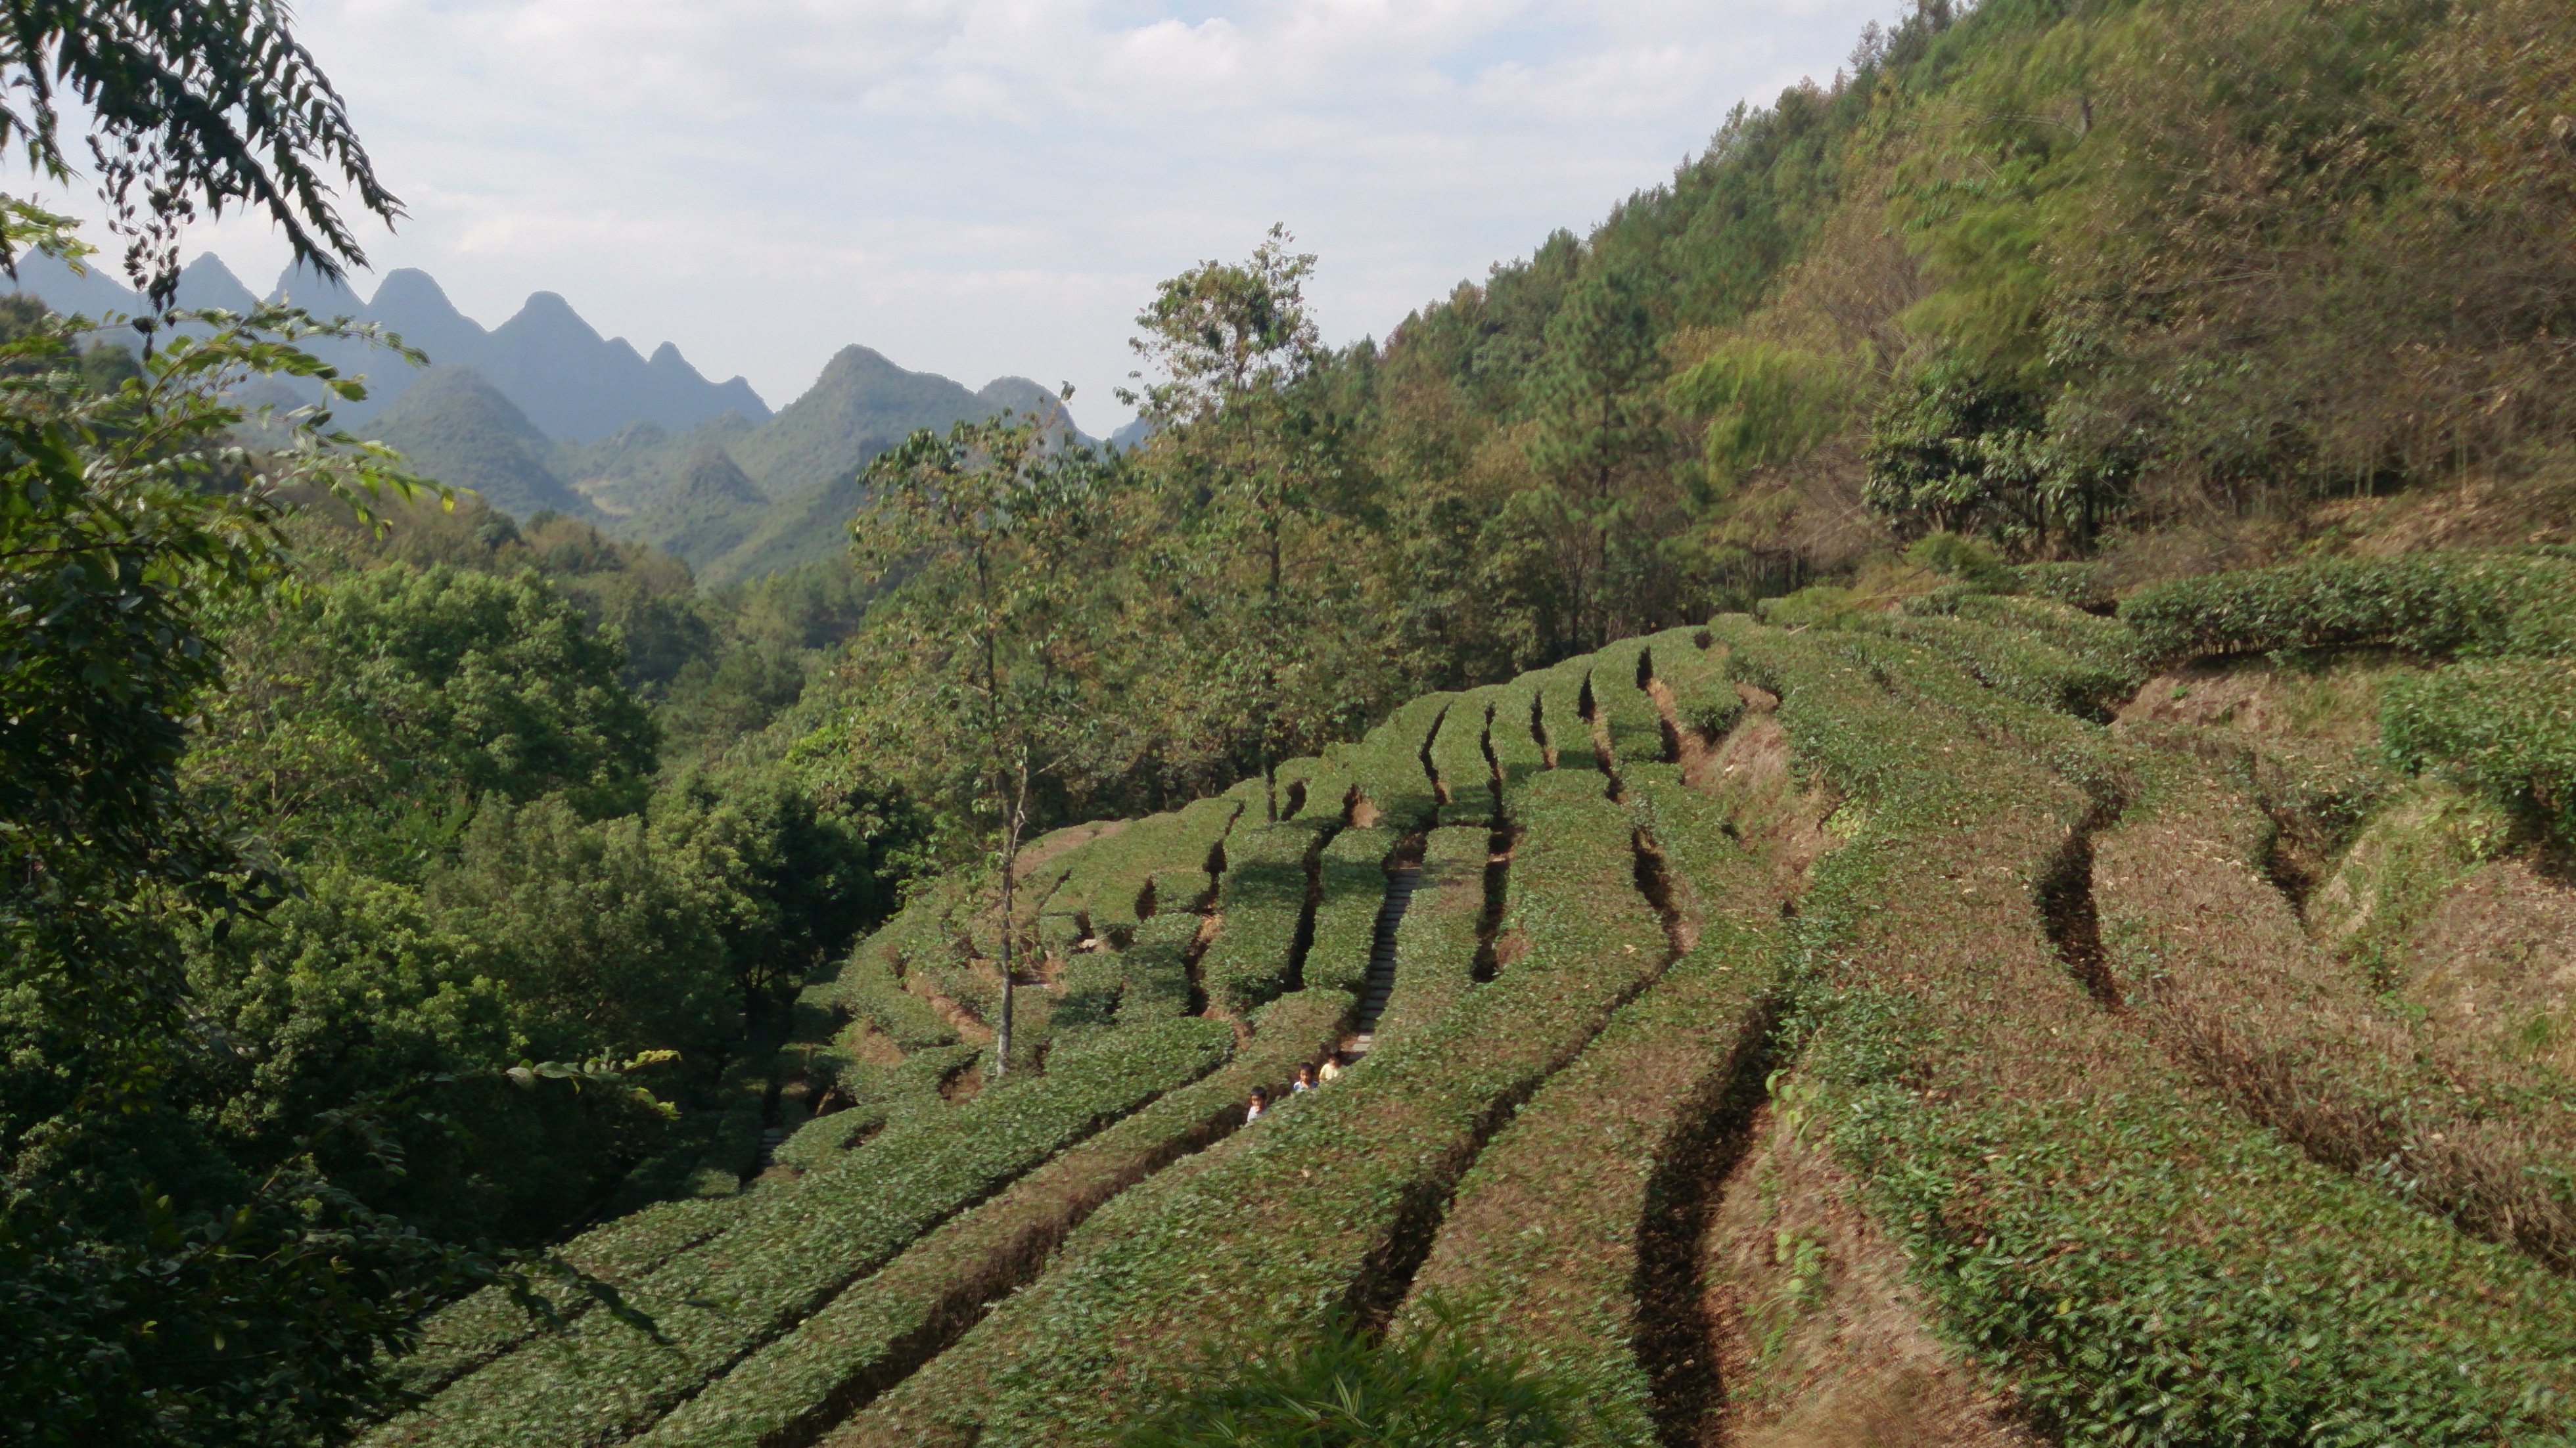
(454, 427)
(861, 405)
(706, 510)
(1814, 1027)
(1882, 929)
(736, 499)
(1920, 793)
(807, 525)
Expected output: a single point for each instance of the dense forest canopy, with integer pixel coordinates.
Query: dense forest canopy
(395, 887)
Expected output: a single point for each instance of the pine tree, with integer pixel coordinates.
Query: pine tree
(1598, 443)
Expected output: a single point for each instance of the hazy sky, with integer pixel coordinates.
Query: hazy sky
(978, 187)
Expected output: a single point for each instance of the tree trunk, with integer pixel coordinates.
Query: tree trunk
(1002, 1028)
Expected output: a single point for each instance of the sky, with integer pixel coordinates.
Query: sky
(982, 187)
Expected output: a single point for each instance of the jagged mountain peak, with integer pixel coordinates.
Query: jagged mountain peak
(410, 287)
(207, 282)
(300, 285)
(547, 314)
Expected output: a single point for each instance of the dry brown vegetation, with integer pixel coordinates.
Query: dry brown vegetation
(1779, 822)
(1820, 1339)
(2495, 959)
(2215, 959)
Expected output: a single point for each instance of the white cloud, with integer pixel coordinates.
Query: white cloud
(988, 186)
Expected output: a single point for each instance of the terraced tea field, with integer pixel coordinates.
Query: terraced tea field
(1992, 1022)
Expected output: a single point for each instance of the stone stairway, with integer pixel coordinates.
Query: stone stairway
(1381, 974)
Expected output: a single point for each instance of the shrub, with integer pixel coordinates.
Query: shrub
(869, 985)
(875, 1333)
(1436, 941)
(1622, 706)
(792, 1251)
(1088, 991)
(1820, 605)
(468, 1333)
(2142, 1264)
(1561, 692)
(1270, 870)
(1259, 1242)
(2076, 585)
(1970, 562)
(877, 1330)
(1546, 1250)
(2413, 852)
(1543, 1252)
(1391, 765)
(2011, 662)
(2104, 642)
(2426, 603)
(867, 990)
(2216, 958)
(1515, 734)
(1183, 888)
(2507, 730)
(880, 1096)
(1316, 788)
(1340, 1389)
(1458, 758)
(706, 1153)
(1117, 869)
(1350, 892)
(1704, 701)
(1155, 969)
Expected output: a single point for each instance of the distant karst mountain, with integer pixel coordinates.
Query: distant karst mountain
(541, 413)
(455, 426)
(570, 382)
(738, 500)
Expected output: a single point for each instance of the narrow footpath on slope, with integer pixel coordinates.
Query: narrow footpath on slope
(1381, 972)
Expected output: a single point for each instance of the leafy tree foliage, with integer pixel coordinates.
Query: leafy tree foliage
(342, 928)
(203, 106)
(360, 985)
(1251, 489)
(1955, 452)
(393, 685)
(344, 925)
(1221, 331)
(986, 522)
(156, 1288)
(1597, 444)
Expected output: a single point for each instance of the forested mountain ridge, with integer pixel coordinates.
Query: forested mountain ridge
(802, 466)
(2180, 284)
(455, 426)
(540, 413)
